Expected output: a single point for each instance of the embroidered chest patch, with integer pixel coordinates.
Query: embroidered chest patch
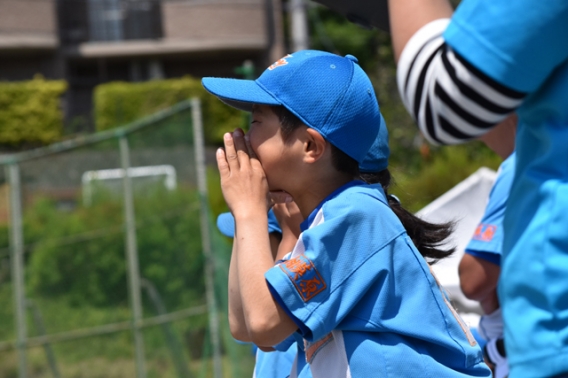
(304, 276)
(484, 232)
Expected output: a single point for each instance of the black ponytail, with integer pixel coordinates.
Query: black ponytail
(427, 237)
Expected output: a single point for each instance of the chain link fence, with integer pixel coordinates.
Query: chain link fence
(110, 265)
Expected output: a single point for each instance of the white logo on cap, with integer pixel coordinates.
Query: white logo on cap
(280, 62)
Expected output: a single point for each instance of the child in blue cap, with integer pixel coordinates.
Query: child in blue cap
(355, 287)
(289, 356)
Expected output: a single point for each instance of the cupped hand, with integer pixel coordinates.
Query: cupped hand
(243, 180)
(287, 212)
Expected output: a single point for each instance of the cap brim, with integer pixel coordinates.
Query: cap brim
(226, 224)
(240, 94)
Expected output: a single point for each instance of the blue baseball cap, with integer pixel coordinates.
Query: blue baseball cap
(226, 224)
(327, 92)
(377, 157)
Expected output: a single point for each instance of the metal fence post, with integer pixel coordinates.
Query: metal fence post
(17, 259)
(132, 256)
(40, 327)
(176, 349)
(205, 240)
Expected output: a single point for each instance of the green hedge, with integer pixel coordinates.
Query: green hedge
(119, 103)
(30, 112)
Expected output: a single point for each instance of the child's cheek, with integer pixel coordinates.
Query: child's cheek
(256, 146)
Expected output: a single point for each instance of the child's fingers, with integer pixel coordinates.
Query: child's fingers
(240, 147)
(230, 152)
(222, 163)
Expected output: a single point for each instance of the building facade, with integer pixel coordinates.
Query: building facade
(89, 42)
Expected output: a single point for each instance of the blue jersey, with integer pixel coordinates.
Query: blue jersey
(294, 367)
(365, 300)
(487, 241)
(522, 44)
(277, 364)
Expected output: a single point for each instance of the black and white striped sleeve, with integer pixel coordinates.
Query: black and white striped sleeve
(450, 100)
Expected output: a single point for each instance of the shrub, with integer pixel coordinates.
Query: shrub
(119, 103)
(30, 112)
(81, 255)
(448, 167)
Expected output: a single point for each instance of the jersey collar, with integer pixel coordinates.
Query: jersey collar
(306, 223)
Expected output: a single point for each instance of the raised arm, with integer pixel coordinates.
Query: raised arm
(408, 16)
(245, 191)
(451, 100)
(478, 281)
(237, 322)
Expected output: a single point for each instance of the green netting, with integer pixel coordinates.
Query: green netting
(78, 314)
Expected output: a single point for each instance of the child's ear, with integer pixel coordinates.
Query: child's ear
(314, 146)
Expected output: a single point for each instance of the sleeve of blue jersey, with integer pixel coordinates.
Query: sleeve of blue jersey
(493, 218)
(494, 215)
(493, 258)
(498, 37)
(285, 345)
(344, 251)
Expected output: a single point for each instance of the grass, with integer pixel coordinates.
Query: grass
(157, 366)
(112, 355)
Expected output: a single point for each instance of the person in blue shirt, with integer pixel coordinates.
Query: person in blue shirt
(289, 356)
(355, 287)
(480, 266)
(459, 75)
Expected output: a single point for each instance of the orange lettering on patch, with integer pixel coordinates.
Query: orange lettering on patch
(303, 274)
(297, 266)
(478, 231)
(485, 232)
(309, 287)
(488, 233)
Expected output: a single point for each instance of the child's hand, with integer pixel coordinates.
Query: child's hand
(289, 218)
(243, 180)
(287, 213)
